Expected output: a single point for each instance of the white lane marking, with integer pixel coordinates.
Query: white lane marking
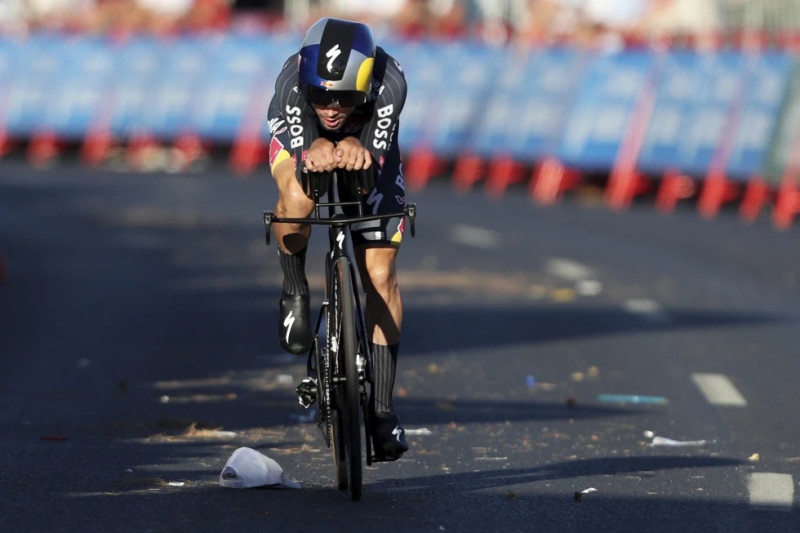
(588, 287)
(773, 491)
(718, 390)
(474, 236)
(567, 269)
(642, 306)
(646, 309)
(580, 275)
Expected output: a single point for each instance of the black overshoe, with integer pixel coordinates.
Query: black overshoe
(388, 436)
(294, 328)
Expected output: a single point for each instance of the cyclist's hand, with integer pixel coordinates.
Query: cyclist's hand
(320, 157)
(350, 154)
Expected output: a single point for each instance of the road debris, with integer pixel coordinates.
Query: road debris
(194, 431)
(634, 399)
(664, 441)
(579, 494)
(284, 379)
(248, 468)
(588, 287)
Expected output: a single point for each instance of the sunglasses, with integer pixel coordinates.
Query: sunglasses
(324, 98)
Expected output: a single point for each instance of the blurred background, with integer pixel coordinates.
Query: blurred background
(541, 345)
(674, 99)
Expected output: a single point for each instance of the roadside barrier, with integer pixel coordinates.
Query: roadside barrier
(717, 127)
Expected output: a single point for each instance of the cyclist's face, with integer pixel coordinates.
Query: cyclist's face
(332, 117)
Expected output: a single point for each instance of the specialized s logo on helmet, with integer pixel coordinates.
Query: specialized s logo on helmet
(333, 53)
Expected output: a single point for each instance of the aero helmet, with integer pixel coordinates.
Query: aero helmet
(336, 59)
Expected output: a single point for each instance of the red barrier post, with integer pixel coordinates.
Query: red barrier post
(421, 165)
(5, 142)
(625, 182)
(787, 204)
(716, 189)
(504, 171)
(43, 148)
(550, 179)
(756, 195)
(675, 186)
(469, 169)
(249, 149)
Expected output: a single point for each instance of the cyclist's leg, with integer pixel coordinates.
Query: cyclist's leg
(292, 203)
(294, 328)
(376, 247)
(376, 244)
(384, 305)
(384, 315)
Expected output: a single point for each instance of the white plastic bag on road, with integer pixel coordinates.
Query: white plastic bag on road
(248, 468)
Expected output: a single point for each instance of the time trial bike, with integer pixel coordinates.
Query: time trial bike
(339, 361)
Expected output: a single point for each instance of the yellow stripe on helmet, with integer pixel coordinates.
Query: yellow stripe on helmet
(364, 79)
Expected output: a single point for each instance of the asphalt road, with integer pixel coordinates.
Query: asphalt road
(648, 360)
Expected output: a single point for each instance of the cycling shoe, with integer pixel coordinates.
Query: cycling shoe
(294, 329)
(388, 437)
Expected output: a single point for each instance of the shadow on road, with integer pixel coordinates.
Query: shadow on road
(454, 328)
(517, 499)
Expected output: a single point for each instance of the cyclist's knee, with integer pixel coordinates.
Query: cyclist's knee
(293, 202)
(380, 269)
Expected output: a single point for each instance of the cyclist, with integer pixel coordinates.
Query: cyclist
(336, 107)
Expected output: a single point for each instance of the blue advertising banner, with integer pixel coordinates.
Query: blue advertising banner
(767, 85)
(239, 74)
(184, 70)
(603, 109)
(86, 67)
(36, 85)
(413, 125)
(135, 80)
(448, 84)
(525, 113)
(783, 150)
(696, 95)
(680, 109)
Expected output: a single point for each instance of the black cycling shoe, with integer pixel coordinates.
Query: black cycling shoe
(389, 437)
(294, 329)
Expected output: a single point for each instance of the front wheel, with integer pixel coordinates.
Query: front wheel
(347, 419)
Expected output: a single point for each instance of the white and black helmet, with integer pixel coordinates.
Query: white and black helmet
(336, 62)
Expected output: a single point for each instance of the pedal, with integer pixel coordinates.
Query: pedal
(307, 392)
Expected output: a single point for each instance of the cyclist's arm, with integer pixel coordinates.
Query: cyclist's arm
(381, 129)
(291, 127)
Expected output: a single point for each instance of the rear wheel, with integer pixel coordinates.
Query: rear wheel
(347, 418)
